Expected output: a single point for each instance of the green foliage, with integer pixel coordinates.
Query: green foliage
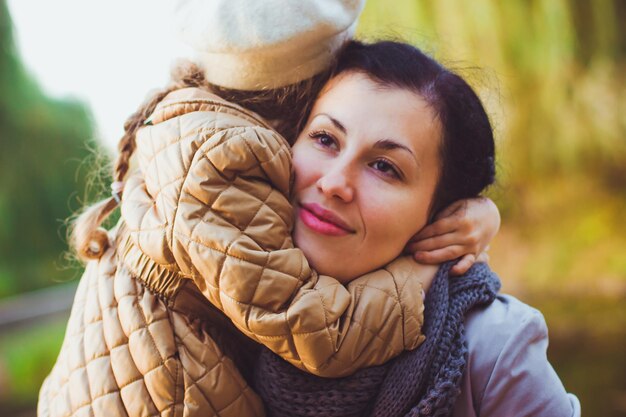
(42, 142)
(26, 358)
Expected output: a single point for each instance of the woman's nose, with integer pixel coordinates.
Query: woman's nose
(337, 183)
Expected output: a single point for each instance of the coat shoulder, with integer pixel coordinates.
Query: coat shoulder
(508, 372)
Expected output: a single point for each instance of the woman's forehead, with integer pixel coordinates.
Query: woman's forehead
(359, 90)
(355, 104)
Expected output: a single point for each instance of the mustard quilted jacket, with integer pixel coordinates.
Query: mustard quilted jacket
(202, 255)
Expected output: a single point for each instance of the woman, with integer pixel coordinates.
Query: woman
(392, 138)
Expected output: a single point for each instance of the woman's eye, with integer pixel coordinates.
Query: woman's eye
(324, 139)
(386, 168)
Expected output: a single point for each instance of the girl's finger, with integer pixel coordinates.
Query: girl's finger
(452, 209)
(483, 257)
(462, 266)
(436, 242)
(439, 255)
(440, 227)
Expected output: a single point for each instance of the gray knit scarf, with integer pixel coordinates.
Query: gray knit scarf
(423, 382)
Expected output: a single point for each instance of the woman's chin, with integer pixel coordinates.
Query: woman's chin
(336, 269)
(340, 276)
(334, 262)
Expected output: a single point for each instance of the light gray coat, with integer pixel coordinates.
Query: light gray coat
(508, 373)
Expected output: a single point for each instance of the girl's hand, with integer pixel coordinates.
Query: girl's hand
(462, 230)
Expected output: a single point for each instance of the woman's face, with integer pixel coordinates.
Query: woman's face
(366, 165)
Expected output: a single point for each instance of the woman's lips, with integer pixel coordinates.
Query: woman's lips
(322, 221)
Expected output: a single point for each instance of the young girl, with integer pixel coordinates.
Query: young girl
(205, 229)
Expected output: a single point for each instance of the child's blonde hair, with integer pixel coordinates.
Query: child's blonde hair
(286, 108)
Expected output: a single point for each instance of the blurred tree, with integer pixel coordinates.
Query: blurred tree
(42, 144)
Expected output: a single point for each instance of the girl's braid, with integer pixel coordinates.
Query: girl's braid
(87, 237)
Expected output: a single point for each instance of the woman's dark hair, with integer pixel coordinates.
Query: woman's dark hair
(467, 145)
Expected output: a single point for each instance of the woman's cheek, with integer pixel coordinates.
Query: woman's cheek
(306, 168)
(397, 216)
(382, 218)
(386, 202)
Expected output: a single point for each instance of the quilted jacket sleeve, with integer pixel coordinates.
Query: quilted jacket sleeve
(232, 231)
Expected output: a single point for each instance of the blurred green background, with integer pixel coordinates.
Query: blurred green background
(552, 74)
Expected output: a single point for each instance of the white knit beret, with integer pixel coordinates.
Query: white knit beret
(259, 44)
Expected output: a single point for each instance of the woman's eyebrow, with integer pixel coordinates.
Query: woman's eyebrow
(390, 144)
(334, 121)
